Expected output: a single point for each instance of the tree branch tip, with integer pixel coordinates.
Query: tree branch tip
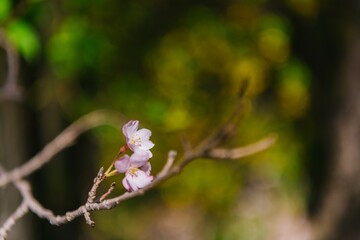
(108, 192)
(272, 138)
(88, 219)
(101, 171)
(99, 175)
(172, 154)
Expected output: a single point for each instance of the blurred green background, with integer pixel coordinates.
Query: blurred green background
(177, 66)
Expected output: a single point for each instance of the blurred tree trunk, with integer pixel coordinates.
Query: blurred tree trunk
(330, 44)
(339, 216)
(12, 152)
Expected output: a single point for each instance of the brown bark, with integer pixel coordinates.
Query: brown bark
(339, 217)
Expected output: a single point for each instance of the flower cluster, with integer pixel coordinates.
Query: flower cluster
(136, 167)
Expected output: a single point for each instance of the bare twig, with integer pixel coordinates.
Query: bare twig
(105, 204)
(173, 171)
(236, 153)
(42, 212)
(12, 219)
(167, 173)
(212, 141)
(21, 210)
(92, 195)
(222, 134)
(88, 219)
(63, 140)
(107, 193)
(97, 180)
(169, 163)
(25, 191)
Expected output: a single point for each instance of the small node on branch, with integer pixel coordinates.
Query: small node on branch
(97, 180)
(88, 219)
(100, 175)
(105, 195)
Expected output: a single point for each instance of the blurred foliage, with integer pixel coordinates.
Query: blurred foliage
(5, 7)
(24, 38)
(177, 67)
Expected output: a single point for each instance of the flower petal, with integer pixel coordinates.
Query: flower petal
(146, 168)
(146, 145)
(130, 128)
(143, 134)
(136, 179)
(130, 179)
(139, 158)
(132, 147)
(126, 184)
(142, 179)
(122, 163)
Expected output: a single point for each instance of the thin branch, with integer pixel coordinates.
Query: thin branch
(42, 212)
(226, 130)
(12, 219)
(212, 141)
(108, 192)
(63, 140)
(236, 153)
(21, 210)
(25, 191)
(169, 163)
(88, 219)
(100, 177)
(173, 171)
(97, 180)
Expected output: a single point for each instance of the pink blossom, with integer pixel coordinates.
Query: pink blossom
(137, 170)
(137, 139)
(135, 179)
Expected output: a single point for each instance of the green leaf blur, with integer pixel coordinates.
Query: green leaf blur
(5, 7)
(24, 38)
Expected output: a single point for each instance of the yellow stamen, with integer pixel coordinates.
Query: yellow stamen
(109, 169)
(133, 171)
(112, 173)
